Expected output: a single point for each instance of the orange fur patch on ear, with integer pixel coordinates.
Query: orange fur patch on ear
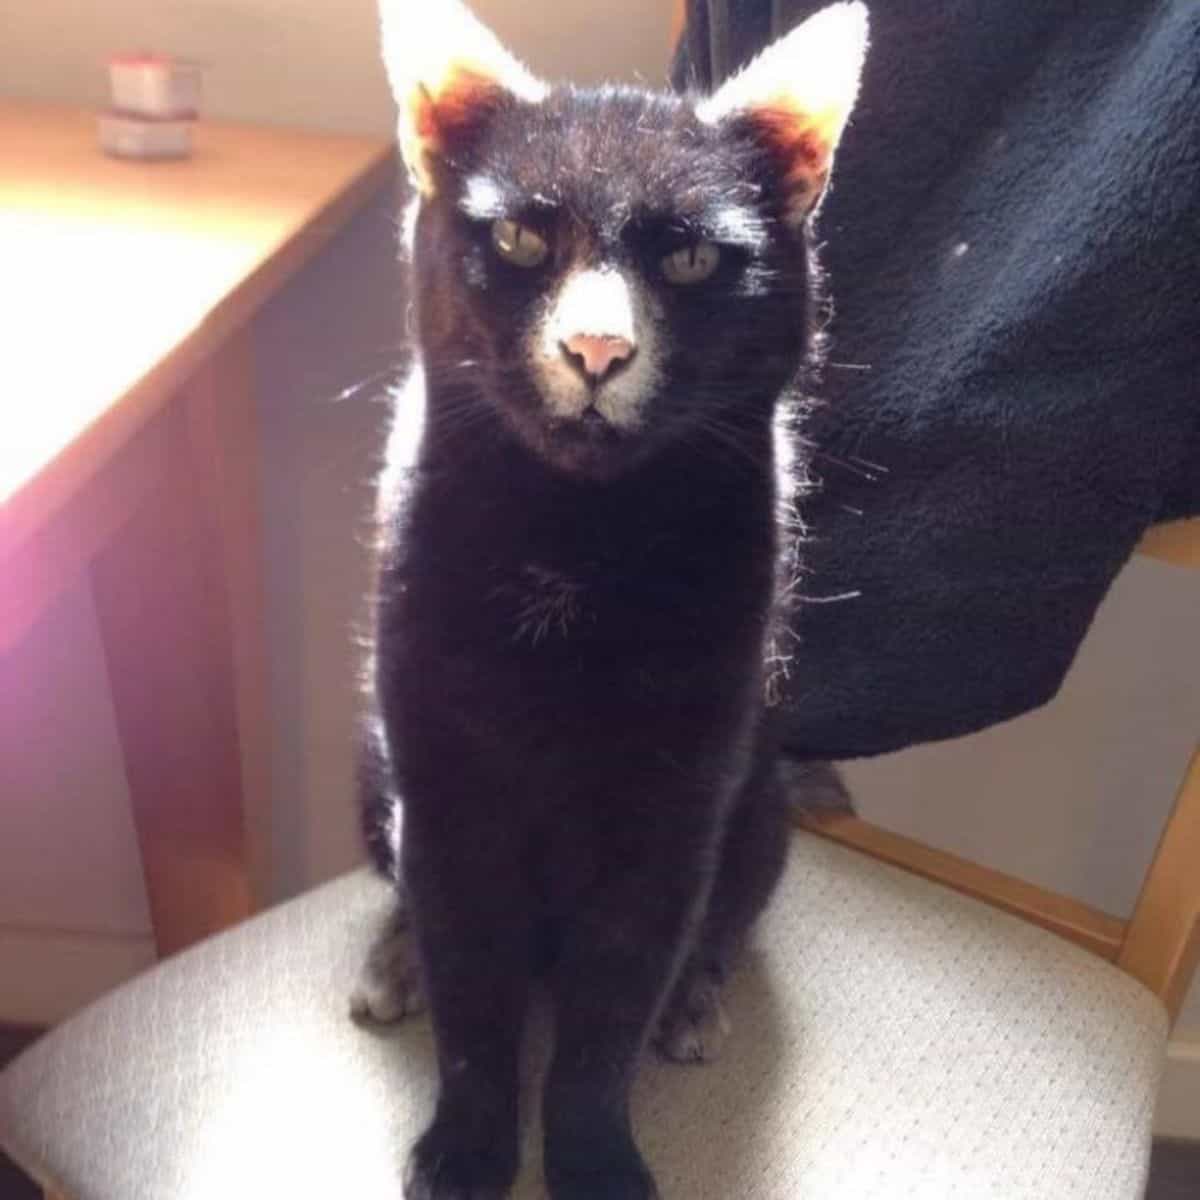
(432, 125)
(797, 96)
(449, 74)
(802, 149)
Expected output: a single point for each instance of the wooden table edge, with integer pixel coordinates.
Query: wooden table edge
(59, 480)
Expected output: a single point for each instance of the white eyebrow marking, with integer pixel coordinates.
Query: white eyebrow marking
(736, 226)
(482, 199)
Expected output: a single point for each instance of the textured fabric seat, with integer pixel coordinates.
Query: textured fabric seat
(891, 1039)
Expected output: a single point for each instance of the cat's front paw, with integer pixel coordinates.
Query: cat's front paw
(446, 1165)
(693, 1028)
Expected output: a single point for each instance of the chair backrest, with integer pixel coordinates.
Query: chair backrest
(1160, 943)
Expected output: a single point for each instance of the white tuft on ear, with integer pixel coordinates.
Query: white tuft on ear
(799, 93)
(448, 72)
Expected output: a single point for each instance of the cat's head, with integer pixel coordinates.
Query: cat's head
(614, 269)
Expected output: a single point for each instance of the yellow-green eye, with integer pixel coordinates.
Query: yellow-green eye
(518, 244)
(691, 264)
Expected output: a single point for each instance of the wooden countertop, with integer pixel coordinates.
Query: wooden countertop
(117, 278)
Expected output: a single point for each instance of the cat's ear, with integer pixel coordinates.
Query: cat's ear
(449, 74)
(797, 96)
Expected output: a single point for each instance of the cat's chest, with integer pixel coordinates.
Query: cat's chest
(540, 603)
(603, 608)
(588, 584)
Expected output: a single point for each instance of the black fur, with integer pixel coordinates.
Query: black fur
(572, 632)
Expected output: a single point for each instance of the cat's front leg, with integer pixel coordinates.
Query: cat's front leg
(753, 853)
(620, 956)
(472, 915)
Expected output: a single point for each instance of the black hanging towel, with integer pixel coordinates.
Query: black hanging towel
(1013, 392)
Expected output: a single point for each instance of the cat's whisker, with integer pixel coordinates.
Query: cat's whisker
(847, 465)
(841, 596)
(463, 419)
(725, 439)
(467, 400)
(346, 393)
(732, 435)
(864, 462)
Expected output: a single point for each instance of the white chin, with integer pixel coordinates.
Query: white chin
(620, 402)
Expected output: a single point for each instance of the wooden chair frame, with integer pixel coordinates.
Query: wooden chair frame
(1160, 943)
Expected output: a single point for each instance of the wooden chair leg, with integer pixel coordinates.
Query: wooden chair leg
(180, 618)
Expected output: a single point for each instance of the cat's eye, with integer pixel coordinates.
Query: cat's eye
(692, 263)
(518, 244)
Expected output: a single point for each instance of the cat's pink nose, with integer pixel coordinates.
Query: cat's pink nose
(596, 354)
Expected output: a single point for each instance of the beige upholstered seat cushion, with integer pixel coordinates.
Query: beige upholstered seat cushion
(891, 1039)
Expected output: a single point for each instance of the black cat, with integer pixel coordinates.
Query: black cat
(586, 553)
